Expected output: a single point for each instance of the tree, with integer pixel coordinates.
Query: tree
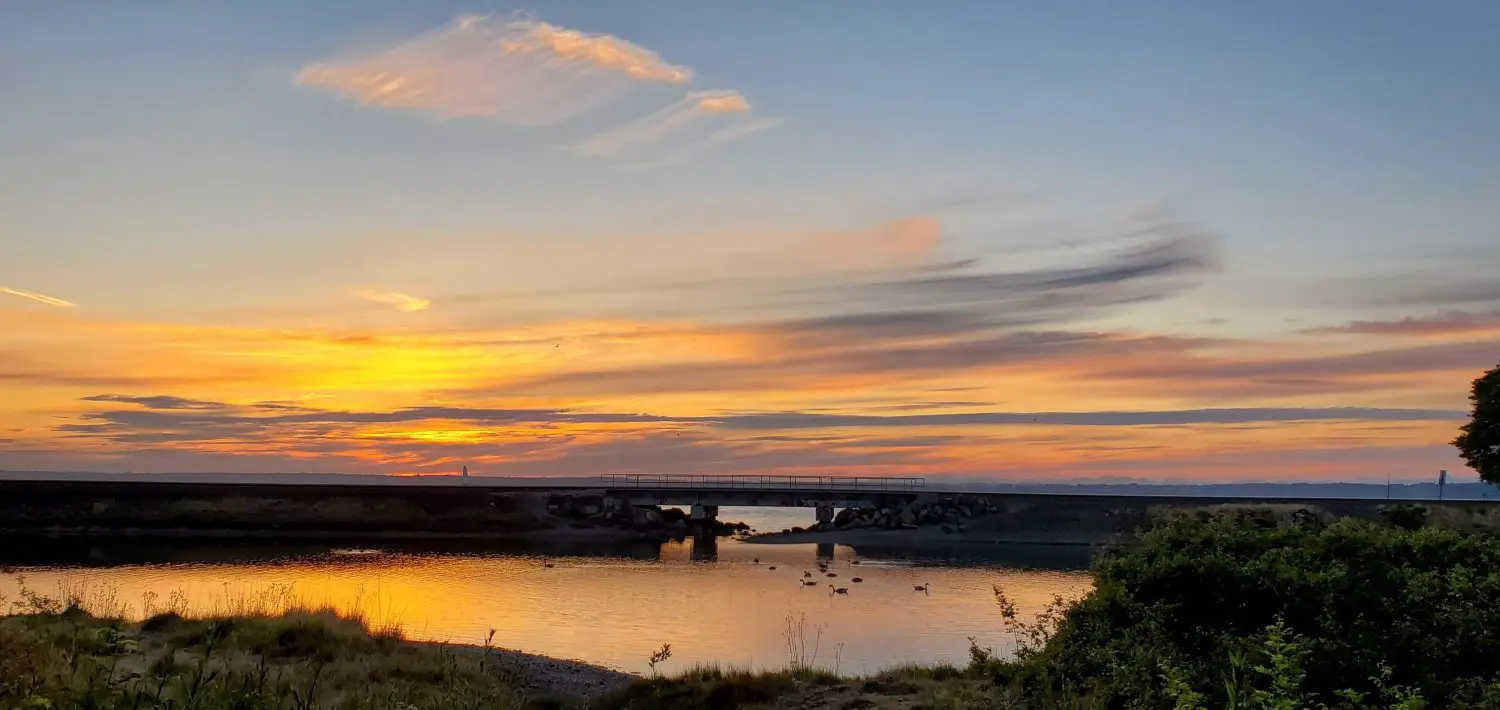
(1479, 443)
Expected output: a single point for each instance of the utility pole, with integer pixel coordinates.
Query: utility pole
(1442, 481)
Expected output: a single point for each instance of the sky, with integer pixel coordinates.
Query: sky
(1195, 240)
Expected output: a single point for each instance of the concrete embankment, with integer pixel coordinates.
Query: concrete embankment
(320, 511)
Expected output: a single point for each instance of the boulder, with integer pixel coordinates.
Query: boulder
(948, 529)
(965, 511)
(845, 517)
(908, 516)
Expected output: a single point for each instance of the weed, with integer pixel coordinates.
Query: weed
(660, 656)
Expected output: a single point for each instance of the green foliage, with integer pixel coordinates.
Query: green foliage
(1479, 442)
(1235, 611)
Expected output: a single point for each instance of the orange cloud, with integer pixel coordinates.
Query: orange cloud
(881, 356)
(399, 301)
(593, 50)
(515, 70)
(726, 102)
(903, 242)
(526, 72)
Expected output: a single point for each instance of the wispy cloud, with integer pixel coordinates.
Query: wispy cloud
(512, 69)
(519, 70)
(1448, 324)
(561, 441)
(711, 117)
(400, 301)
(590, 50)
(38, 297)
(159, 401)
(722, 102)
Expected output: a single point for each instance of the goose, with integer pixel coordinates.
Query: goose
(806, 575)
(922, 587)
(757, 560)
(857, 580)
(853, 562)
(839, 590)
(832, 574)
(772, 568)
(809, 583)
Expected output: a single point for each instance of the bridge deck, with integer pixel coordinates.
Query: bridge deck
(863, 484)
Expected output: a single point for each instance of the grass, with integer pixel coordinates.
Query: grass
(54, 654)
(298, 660)
(304, 660)
(265, 649)
(905, 688)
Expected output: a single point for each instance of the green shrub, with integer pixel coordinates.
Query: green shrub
(1216, 605)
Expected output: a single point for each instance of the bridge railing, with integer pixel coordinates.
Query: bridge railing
(812, 483)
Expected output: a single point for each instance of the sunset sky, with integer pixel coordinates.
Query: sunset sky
(1017, 240)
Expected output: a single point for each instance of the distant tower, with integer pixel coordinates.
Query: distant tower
(466, 472)
(1442, 481)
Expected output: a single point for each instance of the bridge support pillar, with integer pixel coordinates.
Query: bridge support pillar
(705, 512)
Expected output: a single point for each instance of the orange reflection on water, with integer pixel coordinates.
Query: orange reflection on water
(617, 611)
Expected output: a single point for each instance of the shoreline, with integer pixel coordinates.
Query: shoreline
(916, 540)
(562, 534)
(545, 675)
(933, 538)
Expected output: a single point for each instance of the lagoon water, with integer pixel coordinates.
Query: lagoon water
(612, 605)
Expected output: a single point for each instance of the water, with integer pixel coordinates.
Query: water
(612, 605)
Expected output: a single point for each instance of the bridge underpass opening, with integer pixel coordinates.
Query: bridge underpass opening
(767, 518)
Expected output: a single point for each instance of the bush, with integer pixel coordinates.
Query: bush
(1205, 608)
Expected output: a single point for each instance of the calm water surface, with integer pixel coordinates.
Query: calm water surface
(611, 605)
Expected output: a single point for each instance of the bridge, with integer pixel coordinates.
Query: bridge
(706, 493)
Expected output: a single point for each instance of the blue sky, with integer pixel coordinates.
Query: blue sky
(214, 164)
